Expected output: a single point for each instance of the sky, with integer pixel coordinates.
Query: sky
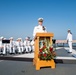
(19, 17)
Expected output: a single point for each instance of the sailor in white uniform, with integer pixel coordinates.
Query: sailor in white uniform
(32, 45)
(22, 45)
(27, 45)
(19, 45)
(40, 28)
(12, 45)
(3, 46)
(69, 40)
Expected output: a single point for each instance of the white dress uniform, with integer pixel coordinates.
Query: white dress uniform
(27, 45)
(69, 38)
(22, 48)
(32, 45)
(19, 45)
(2, 46)
(12, 47)
(38, 29)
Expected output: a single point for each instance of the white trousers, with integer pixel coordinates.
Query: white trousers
(32, 45)
(32, 48)
(28, 48)
(20, 49)
(12, 50)
(4, 50)
(70, 46)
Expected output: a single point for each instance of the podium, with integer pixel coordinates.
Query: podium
(36, 61)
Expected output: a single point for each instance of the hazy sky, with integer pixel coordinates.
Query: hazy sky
(19, 17)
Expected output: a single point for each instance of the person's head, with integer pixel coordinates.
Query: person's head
(19, 39)
(11, 38)
(2, 38)
(26, 39)
(68, 31)
(40, 21)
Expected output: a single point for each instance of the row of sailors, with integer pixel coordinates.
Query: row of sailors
(16, 46)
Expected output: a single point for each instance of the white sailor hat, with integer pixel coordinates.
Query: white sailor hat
(26, 38)
(1, 37)
(4, 38)
(19, 38)
(11, 38)
(40, 19)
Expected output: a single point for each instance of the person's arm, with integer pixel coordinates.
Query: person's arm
(34, 32)
(67, 38)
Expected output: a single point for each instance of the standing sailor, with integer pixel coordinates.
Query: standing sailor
(69, 40)
(38, 29)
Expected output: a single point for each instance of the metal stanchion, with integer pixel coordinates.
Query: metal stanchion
(54, 43)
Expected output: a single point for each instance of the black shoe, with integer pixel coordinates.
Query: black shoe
(10, 53)
(3, 54)
(26, 52)
(23, 52)
(69, 52)
(29, 51)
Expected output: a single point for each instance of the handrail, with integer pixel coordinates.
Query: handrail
(64, 41)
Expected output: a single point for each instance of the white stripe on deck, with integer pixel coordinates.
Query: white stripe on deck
(68, 58)
(59, 48)
(1, 60)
